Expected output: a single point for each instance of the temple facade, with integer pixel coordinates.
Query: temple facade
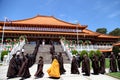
(50, 28)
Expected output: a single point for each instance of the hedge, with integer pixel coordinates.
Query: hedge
(3, 53)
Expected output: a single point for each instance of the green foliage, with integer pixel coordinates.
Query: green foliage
(115, 75)
(3, 53)
(80, 41)
(115, 32)
(102, 30)
(87, 42)
(91, 53)
(67, 41)
(83, 52)
(74, 52)
(98, 53)
(115, 50)
(22, 37)
(73, 41)
(107, 63)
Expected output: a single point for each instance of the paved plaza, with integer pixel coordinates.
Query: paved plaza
(66, 76)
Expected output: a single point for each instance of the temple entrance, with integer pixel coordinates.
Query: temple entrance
(45, 41)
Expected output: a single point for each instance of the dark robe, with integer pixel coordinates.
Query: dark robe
(78, 60)
(52, 50)
(102, 64)
(19, 63)
(74, 67)
(29, 60)
(83, 66)
(39, 72)
(113, 66)
(12, 69)
(118, 61)
(24, 70)
(87, 66)
(60, 60)
(95, 64)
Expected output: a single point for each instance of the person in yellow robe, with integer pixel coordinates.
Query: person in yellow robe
(54, 71)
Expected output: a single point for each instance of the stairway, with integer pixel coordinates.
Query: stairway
(44, 51)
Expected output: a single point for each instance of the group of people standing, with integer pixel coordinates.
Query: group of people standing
(98, 64)
(19, 67)
(57, 66)
(19, 64)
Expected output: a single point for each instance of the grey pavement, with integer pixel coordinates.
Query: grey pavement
(66, 76)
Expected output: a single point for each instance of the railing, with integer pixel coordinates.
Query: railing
(68, 48)
(15, 48)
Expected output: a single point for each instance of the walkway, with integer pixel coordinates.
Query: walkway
(66, 76)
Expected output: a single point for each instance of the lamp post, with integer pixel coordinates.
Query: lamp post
(2, 39)
(77, 32)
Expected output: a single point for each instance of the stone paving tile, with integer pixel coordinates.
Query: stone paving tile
(66, 76)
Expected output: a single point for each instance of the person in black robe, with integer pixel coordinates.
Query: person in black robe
(86, 65)
(102, 63)
(52, 49)
(118, 61)
(60, 60)
(18, 62)
(78, 60)
(29, 60)
(113, 66)
(12, 69)
(74, 66)
(83, 65)
(95, 64)
(39, 73)
(24, 70)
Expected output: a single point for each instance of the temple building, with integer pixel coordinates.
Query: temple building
(50, 28)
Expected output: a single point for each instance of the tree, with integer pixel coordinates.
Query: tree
(116, 50)
(102, 30)
(115, 32)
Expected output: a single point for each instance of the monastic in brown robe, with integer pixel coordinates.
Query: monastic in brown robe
(83, 65)
(78, 60)
(86, 65)
(95, 64)
(113, 66)
(60, 60)
(12, 69)
(18, 62)
(24, 70)
(52, 50)
(74, 66)
(102, 64)
(118, 61)
(39, 73)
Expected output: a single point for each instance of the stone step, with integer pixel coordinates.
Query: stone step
(45, 52)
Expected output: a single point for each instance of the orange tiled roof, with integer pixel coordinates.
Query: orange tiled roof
(33, 32)
(107, 36)
(116, 44)
(99, 34)
(45, 20)
(90, 32)
(108, 50)
(0, 27)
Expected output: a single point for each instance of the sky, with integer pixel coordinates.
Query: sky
(94, 13)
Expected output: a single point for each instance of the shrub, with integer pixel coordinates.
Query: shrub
(91, 53)
(3, 53)
(98, 53)
(116, 50)
(83, 52)
(74, 52)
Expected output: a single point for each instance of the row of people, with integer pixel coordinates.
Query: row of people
(98, 64)
(19, 67)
